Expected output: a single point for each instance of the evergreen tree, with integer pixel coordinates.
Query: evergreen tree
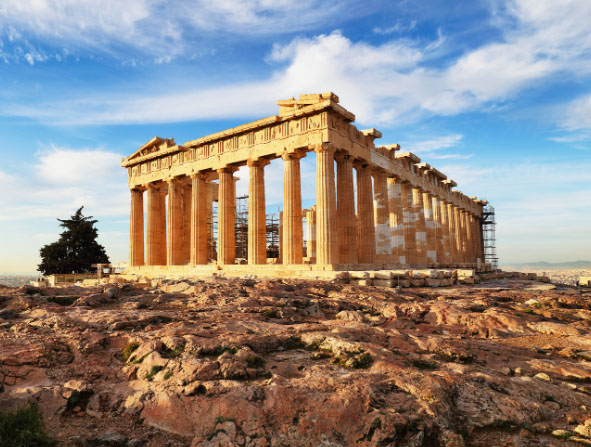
(76, 248)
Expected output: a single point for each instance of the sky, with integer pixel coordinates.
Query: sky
(496, 94)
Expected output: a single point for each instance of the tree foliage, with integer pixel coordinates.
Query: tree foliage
(76, 248)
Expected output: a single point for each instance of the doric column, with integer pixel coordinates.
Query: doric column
(365, 220)
(463, 236)
(311, 233)
(431, 245)
(453, 241)
(257, 219)
(136, 228)
(226, 216)
(199, 249)
(174, 248)
(409, 224)
(346, 219)
(212, 196)
(470, 254)
(477, 240)
(292, 210)
(382, 217)
(421, 232)
(280, 248)
(395, 207)
(155, 227)
(326, 206)
(186, 258)
(438, 230)
(445, 233)
(458, 236)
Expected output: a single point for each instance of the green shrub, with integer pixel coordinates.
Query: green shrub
(129, 349)
(23, 428)
(155, 370)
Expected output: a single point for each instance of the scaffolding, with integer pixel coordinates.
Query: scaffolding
(241, 229)
(488, 237)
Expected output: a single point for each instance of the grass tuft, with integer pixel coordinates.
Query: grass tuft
(23, 428)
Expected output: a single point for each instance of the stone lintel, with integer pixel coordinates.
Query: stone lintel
(450, 183)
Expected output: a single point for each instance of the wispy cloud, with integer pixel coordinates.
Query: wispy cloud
(574, 121)
(398, 27)
(159, 27)
(383, 84)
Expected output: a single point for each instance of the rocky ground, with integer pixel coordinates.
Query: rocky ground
(301, 363)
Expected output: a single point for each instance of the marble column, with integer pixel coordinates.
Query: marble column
(463, 236)
(326, 206)
(257, 219)
(174, 247)
(409, 224)
(366, 239)
(431, 245)
(136, 228)
(469, 238)
(453, 236)
(292, 210)
(438, 230)
(445, 233)
(226, 216)
(382, 217)
(186, 188)
(421, 232)
(155, 227)
(199, 248)
(311, 233)
(458, 236)
(395, 207)
(346, 219)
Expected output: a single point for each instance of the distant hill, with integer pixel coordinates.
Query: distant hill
(549, 265)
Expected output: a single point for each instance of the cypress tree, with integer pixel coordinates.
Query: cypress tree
(76, 248)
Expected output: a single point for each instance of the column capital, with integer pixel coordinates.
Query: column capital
(257, 162)
(360, 164)
(226, 169)
(293, 155)
(138, 188)
(324, 147)
(199, 175)
(341, 156)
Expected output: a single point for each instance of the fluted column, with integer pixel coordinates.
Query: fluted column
(311, 232)
(453, 246)
(186, 257)
(174, 247)
(458, 236)
(257, 231)
(226, 216)
(421, 233)
(136, 228)
(469, 238)
(292, 210)
(395, 207)
(155, 227)
(431, 245)
(326, 206)
(382, 217)
(409, 224)
(365, 220)
(346, 219)
(463, 236)
(199, 249)
(445, 233)
(477, 240)
(438, 230)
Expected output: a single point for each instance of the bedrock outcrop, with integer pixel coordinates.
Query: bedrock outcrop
(232, 362)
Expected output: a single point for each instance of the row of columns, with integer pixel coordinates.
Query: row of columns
(395, 222)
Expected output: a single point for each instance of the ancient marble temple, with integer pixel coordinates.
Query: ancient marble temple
(396, 212)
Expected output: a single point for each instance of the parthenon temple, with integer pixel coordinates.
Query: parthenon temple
(393, 212)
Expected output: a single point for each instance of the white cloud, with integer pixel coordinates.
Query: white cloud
(62, 180)
(398, 27)
(159, 27)
(574, 121)
(383, 84)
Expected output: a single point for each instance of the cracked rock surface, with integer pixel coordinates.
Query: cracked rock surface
(234, 362)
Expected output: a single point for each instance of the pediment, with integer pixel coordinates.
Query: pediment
(152, 149)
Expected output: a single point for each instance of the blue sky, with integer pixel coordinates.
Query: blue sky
(494, 93)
